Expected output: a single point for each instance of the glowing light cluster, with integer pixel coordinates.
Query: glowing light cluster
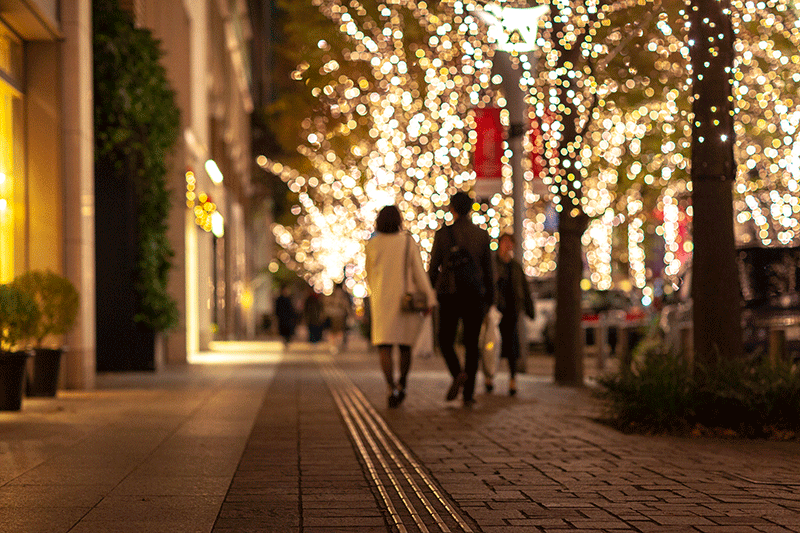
(200, 204)
(401, 108)
(610, 88)
(619, 75)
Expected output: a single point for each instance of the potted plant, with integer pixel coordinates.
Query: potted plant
(18, 317)
(57, 301)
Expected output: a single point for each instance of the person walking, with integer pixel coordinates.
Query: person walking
(461, 273)
(314, 314)
(394, 267)
(338, 310)
(513, 298)
(287, 315)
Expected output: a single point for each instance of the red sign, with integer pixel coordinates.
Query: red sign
(488, 144)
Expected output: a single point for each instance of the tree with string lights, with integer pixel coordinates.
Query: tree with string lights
(619, 80)
(385, 92)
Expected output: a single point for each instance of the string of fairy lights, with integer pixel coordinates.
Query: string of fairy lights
(423, 68)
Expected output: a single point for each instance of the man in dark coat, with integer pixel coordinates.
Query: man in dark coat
(458, 250)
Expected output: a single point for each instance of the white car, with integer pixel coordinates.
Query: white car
(539, 331)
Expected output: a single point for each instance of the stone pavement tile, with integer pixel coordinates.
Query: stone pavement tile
(334, 529)
(192, 509)
(509, 529)
(670, 519)
(345, 521)
(310, 515)
(179, 485)
(740, 528)
(40, 519)
(49, 496)
(599, 524)
(270, 509)
(772, 528)
(491, 516)
(154, 525)
(651, 527)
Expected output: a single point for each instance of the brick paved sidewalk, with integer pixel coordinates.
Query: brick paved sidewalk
(304, 442)
(536, 462)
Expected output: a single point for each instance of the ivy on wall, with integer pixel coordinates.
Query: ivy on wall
(136, 124)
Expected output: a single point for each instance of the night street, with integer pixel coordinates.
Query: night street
(287, 442)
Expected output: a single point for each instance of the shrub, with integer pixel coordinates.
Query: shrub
(56, 299)
(18, 317)
(747, 397)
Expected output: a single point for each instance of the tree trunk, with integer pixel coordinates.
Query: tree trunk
(715, 283)
(569, 334)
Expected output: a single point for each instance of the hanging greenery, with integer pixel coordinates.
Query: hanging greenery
(136, 124)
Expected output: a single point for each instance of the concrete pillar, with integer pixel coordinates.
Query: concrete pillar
(78, 180)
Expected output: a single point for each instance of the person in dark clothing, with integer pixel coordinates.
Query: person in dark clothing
(460, 301)
(287, 315)
(314, 313)
(513, 298)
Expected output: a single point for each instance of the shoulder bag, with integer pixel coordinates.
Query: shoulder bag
(413, 301)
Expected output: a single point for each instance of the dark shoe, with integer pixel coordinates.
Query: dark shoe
(455, 387)
(512, 392)
(395, 399)
(512, 387)
(469, 402)
(401, 395)
(488, 385)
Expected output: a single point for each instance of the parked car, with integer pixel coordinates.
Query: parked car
(616, 308)
(769, 279)
(543, 291)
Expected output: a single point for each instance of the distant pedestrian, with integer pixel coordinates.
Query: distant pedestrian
(338, 310)
(513, 297)
(392, 257)
(286, 314)
(461, 272)
(314, 315)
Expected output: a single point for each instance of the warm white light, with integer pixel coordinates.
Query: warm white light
(506, 21)
(213, 171)
(217, 224)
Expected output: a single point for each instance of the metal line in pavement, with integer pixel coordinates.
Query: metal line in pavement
(368, 460)
(417, 490)
(388, 470)
(417, 467)
(359, 415)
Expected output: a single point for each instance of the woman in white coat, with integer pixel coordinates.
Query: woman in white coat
(392, 255)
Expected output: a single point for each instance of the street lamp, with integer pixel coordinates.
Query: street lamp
(514, 32)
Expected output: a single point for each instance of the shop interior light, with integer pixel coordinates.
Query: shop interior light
(213, 171)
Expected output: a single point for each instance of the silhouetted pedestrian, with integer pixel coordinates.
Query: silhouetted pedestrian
(461, 272)
(286, 314)
(314, 314)
(513, 298)
(392, 257)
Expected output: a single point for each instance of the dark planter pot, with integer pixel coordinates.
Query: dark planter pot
(46, 368)
(12, 379)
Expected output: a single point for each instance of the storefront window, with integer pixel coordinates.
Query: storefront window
(12, 188)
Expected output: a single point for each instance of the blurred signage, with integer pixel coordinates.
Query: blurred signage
(488, 145)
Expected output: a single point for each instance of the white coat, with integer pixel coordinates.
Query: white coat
(385, 268)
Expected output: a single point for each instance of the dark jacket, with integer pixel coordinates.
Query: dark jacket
(513, 293)
(476, 242)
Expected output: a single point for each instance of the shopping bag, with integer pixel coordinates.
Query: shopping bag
(490, 342)
(423, 345)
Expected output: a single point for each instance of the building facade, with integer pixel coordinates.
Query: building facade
(47, 215)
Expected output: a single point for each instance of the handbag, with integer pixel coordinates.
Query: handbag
(413, 301)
